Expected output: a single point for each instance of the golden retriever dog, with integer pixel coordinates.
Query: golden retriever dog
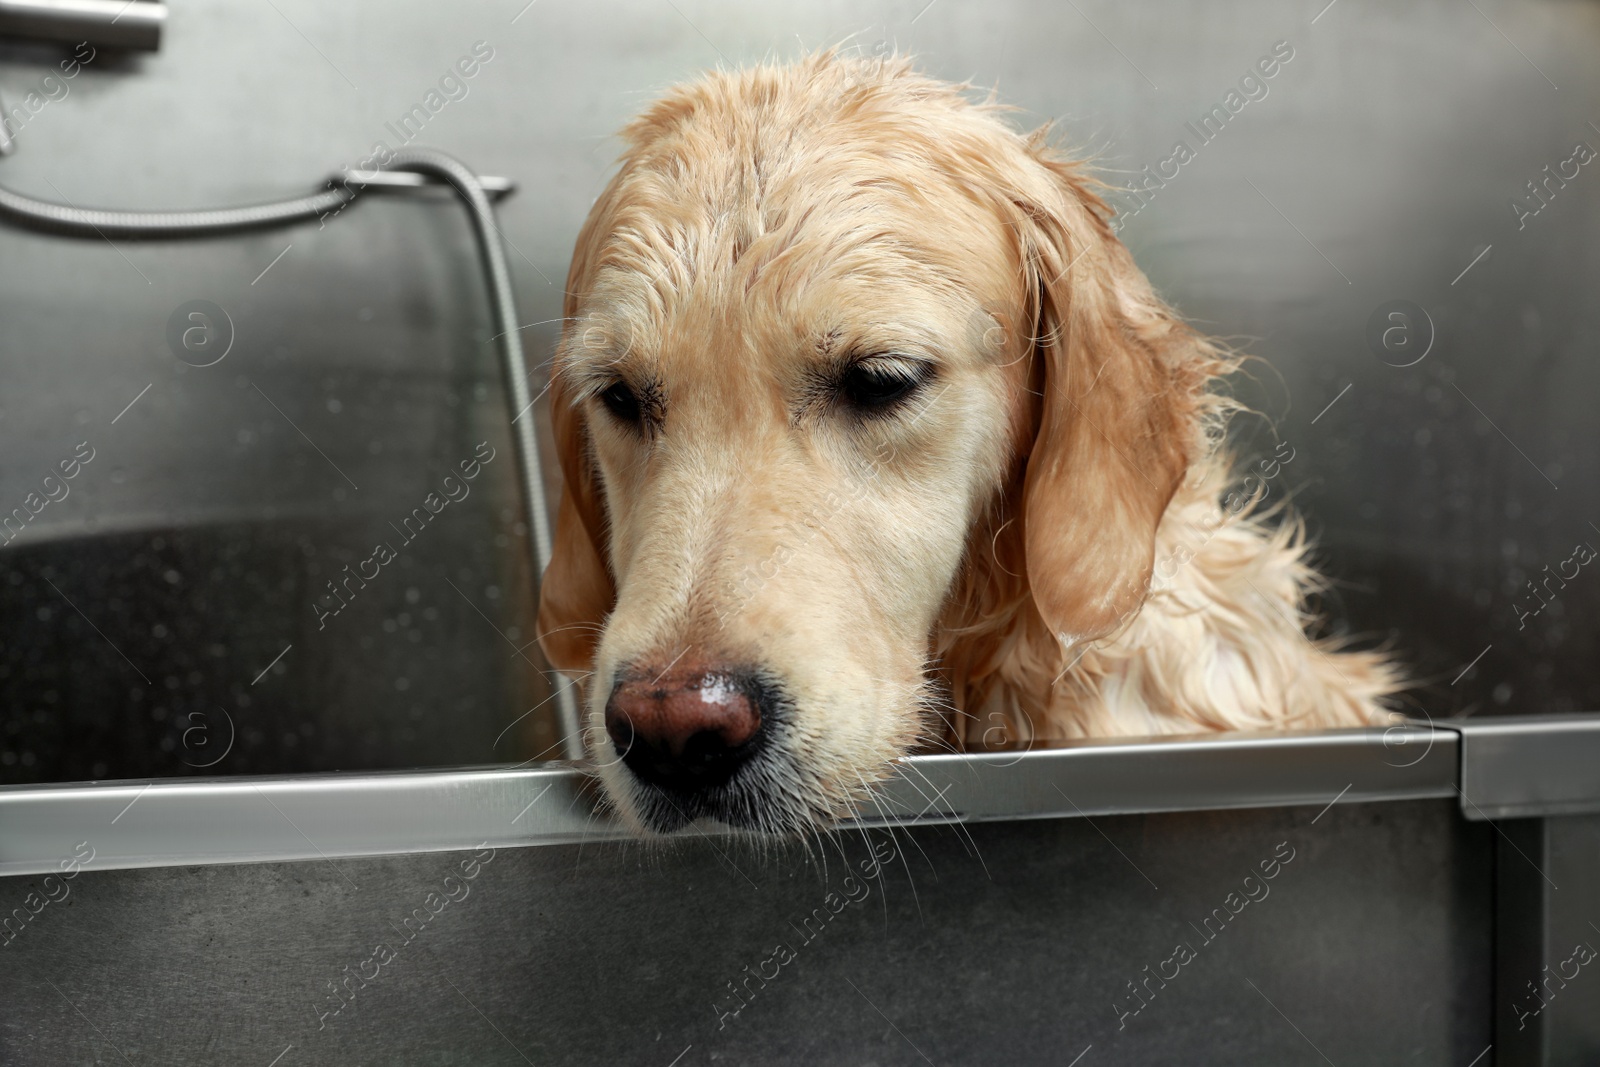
(874, 438)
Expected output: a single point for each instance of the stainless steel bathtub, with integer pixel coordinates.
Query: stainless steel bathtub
(234, 829)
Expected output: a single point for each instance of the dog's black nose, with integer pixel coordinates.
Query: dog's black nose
(686, 728)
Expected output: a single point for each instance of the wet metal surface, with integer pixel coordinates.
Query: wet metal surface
(1373, 173)
(161, 617)
(1362, 932)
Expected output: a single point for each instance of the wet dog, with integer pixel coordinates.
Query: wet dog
(874, 437)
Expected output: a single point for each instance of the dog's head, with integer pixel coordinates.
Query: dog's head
(852, 377)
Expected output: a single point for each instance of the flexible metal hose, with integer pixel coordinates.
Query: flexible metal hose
(92, 222)
(502, 299)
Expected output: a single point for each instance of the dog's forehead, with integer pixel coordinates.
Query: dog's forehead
(720, 340)
(815, 263)
(787, 215)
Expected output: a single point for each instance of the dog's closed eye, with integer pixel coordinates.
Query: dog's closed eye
(623, 403)
(878, 385)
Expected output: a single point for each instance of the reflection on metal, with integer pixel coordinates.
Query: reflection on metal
(410, 168)
(503, 308)
(104, 23)
(1547, 878)
(240, 820)
(1253, 770)
(405, 179)
(1529, 766)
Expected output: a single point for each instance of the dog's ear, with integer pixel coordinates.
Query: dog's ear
(577, 592)
(1123, 396)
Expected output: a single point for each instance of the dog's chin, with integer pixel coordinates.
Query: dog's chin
(753, 800)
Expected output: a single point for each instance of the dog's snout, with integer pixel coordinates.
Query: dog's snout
(685, 729)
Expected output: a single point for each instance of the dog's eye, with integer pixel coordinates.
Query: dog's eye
(872, 388)
(622, 402)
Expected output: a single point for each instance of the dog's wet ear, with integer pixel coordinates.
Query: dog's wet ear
(577, 592)
(1123, 385)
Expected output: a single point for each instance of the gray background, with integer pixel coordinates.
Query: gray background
(1383, 160)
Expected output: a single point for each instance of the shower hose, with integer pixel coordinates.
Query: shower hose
(92, 222)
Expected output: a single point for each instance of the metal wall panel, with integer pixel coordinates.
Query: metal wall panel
(995, 943)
